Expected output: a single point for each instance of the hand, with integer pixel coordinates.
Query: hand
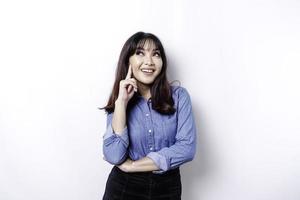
(127, 87)
(126, 166)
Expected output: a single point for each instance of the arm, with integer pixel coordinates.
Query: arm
(142, 165)
(184, 148)
(170, 157)
(119, 117)
(116, 139)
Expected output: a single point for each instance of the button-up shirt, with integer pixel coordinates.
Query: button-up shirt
(169, 140)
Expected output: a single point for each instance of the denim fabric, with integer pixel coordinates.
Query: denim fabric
(169, 140)
(143, 185)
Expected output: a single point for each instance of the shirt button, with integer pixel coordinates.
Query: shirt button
(151, 148)
(147, 115)
(150, 130)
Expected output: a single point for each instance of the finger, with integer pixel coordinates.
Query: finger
(129, 88)
(130, 82)
(133, 80)
(126, 83)
(133, 86)
(129, 72)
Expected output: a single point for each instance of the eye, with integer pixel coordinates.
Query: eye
(139, 52)
(156, 54)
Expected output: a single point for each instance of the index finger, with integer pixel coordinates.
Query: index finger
(128, 76)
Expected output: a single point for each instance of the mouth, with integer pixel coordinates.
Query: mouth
(148, 71)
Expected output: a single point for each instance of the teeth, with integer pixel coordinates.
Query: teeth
(147, 70)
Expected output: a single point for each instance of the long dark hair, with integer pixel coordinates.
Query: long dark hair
(161, 94)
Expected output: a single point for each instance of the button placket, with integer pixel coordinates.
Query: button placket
(150, 127)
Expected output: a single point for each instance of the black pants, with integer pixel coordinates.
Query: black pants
(143, 185)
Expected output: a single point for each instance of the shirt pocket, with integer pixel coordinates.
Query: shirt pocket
(170, 129)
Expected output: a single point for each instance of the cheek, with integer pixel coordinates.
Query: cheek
(159, 71)
(135, 63)
(135, 72)
(159, 64)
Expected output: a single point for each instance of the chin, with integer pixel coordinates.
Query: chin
(146, 82)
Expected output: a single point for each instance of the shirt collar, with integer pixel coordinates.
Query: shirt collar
(142, 99)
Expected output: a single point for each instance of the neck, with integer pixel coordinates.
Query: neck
(144, 90)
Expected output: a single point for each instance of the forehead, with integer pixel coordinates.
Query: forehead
(147, 44)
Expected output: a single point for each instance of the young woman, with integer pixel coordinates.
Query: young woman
(150, 125)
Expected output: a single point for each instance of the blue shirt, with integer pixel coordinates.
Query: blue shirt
(169, 140)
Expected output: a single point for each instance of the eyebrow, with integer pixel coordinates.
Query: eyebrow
(141, 48)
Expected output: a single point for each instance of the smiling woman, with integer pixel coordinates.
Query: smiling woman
(146, 63)
(150, 128)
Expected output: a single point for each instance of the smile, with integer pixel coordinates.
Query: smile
(147, 71)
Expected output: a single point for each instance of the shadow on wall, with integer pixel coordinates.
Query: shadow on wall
(194, 174)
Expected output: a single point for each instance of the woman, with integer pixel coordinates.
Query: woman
(150, 125)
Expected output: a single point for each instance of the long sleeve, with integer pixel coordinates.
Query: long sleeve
(115, 146)
(184, 148)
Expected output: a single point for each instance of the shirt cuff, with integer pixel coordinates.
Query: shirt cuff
(111, 134)
(160, 161)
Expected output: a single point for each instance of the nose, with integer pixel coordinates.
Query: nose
(148, 60)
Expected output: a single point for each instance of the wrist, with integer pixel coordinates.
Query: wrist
(132, 167)
(120, 102)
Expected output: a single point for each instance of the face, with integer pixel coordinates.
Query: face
(146, 64)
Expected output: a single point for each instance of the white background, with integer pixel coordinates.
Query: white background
(239, 60)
